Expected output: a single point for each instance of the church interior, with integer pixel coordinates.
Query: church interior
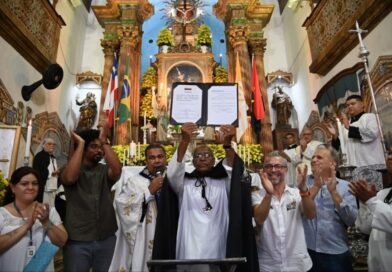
(58, 57)
(57, 60)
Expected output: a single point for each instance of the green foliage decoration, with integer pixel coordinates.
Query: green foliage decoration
(165, 37)
(255, 153)
(3, 187)
(149, 78)
(146, 106)
(204, 36)
(220, 75)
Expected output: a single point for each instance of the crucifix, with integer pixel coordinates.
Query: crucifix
(363, 54)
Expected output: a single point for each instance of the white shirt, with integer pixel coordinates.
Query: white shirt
(201, 234)
(281, 244)
(367, 150)
(14, 259)
(375, 217)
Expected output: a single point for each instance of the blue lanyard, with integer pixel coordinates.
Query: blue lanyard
(30, 232)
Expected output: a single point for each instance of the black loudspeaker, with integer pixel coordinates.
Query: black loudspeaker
(51, 79)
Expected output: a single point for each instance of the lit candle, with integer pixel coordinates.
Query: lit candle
(132, 148)
(28, 139)
(341, 136)
(144, 119)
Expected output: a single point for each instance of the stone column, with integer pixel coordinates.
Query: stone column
(257, 47)
(109, 48)
(129, 36)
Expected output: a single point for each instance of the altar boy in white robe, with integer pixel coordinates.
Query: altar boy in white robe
(209, 215)
(136, 207)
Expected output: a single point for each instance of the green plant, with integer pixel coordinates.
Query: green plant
(165, 37)
(149, 78)
(3, 187)
(220, 75)
(204, 36)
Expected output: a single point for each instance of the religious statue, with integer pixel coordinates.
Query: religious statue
(88, 111)
(160, 112)
(281, 102)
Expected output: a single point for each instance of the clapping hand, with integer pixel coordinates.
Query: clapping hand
(266, 182)
(361, 189)
(301, 177)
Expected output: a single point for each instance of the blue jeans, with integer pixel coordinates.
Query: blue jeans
(323, 262)
(82, 256)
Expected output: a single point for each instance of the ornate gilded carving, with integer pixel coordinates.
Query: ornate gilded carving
(35, 39)
(129, 35)
(238, 35)
(110, 46)
(280, 75)
(88, 76)
(257, 45)
(328, 26)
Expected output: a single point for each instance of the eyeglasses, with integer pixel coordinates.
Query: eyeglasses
(276, 166)
(95, 146)
(199, 156)
(152, 157)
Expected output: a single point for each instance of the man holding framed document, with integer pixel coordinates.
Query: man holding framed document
(205, 104)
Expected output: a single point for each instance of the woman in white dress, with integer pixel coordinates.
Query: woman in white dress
(23, 222)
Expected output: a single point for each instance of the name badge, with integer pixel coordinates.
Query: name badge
(291, 206)
(30, 251)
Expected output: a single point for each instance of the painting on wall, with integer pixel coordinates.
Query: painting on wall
(9, 145)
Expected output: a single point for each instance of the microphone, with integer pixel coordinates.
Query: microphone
(159, 171)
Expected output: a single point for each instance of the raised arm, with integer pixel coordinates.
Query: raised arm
(308, 206)
(186, 134)
(71, 171)
(226, 133)
(261, 211)
(114, 164)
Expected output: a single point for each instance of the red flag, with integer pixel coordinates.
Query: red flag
(258, 106)
(111, 93)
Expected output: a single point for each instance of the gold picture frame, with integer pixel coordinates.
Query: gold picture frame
(9, 146)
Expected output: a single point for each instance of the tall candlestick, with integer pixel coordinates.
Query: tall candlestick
(28, 139)
(144, 119)
(132, 148)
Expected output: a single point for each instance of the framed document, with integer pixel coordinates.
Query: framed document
(206, 104)
(9, 145)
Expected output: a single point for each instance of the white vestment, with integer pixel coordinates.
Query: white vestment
(201, 234)
(367, 150)
(134, 238)
(306, 155)
(375, 217)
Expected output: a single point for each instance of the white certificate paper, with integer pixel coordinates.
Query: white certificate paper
(187, 103)
(222, 105)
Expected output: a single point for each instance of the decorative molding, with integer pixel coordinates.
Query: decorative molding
(88, 76)
(7, 110)
(328, 29)
(36, 40)
(45, 122)
(279, 75)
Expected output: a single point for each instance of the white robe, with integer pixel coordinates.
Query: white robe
(367, 150)
(291, 177)
(376, 218)
(306, 155)
(201, 234)
(134, 239)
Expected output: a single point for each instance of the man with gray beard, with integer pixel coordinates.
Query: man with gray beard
(278, 211)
